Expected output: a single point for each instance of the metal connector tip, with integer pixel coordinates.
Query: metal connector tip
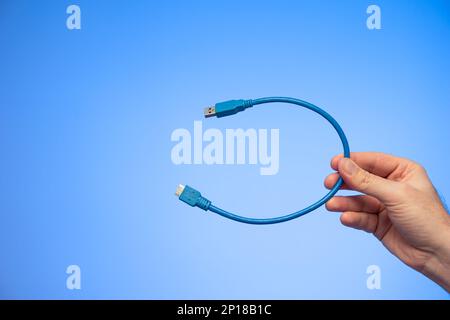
(180, 189)
(209, 112)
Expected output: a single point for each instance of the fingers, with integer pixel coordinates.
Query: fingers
(377, 163)
(363, 181)
(360, 212)
(360, 203)
(331, 180)
(360, 220)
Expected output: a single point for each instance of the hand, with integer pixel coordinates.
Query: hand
(399, 205)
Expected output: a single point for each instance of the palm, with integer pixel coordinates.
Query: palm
(392, 238)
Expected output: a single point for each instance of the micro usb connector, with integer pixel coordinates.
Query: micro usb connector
(192, 197)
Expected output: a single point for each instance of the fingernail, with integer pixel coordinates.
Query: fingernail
(348, 166)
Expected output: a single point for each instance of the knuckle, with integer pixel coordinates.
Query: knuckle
(365, 180)
(404, 190)
(420, 168)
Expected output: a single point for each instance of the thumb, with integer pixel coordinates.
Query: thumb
(361, 180)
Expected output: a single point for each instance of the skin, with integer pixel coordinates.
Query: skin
(399, 206)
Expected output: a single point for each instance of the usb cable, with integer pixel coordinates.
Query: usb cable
(194, 198)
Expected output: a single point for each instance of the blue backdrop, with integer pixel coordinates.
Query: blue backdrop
(86, 118)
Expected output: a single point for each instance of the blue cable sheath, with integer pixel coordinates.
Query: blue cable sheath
(315, 205)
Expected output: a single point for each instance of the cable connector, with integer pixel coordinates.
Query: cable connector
(227, 108)
(192, 197)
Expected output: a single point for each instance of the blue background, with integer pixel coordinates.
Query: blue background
(85, 124)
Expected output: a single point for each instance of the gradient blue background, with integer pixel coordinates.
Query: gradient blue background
(85, 124)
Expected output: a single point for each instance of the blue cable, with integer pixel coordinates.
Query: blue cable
(194, 198)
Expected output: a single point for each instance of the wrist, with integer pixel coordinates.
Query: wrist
(438, 266)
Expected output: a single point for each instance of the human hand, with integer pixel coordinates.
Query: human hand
(399, 205)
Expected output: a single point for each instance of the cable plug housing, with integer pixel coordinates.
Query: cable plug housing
(192, 197)
(227, 108)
